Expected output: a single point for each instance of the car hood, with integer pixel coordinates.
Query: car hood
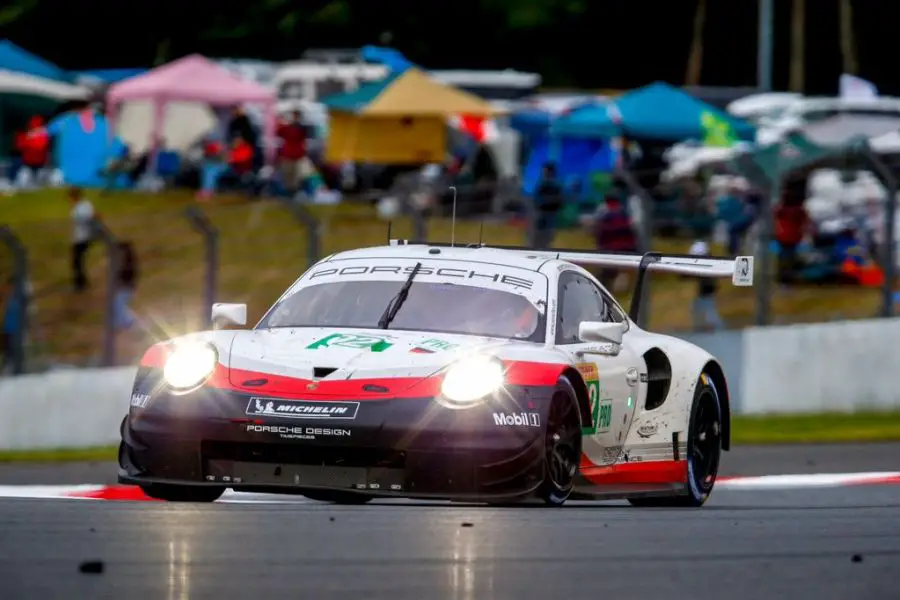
(336, 354)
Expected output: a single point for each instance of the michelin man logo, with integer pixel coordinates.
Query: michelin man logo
(269, 408)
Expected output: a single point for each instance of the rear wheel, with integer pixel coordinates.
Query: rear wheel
(562, 445)
(704, 450)
(183, 493)
(337, 497)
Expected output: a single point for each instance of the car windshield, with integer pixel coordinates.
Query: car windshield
(432, 307)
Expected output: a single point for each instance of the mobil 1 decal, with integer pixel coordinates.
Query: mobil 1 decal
(601, 408)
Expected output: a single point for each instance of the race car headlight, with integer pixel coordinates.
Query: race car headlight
(190, 365)
(471, 379)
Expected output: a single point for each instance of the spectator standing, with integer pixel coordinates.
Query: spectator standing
(126, 285)
(614, 232)
(83, 217)
(733, 211)
(292, 159)
(549, 201)
(792, 223)
(240, 126)
(11, 335)
(705, 312)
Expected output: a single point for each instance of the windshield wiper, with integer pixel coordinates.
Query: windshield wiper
(397, 301)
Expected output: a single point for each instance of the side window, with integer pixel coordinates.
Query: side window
(614, 313)
(579, 300)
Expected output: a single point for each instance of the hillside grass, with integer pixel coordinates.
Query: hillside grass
(263, 249)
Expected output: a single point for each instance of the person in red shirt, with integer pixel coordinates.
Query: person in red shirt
(792, 223)
(240, 158)
(614, 232)
(292, 154)
(212, 150)
(35, 146)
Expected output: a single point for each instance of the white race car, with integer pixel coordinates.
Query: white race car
(470, 373)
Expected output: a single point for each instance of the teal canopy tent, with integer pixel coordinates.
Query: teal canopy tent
(656, 111)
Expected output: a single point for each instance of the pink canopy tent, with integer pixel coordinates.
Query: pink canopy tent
(194, 79)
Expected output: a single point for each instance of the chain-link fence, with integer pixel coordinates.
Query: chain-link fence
(189, 255)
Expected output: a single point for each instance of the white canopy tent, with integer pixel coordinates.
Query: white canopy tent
(29, 85)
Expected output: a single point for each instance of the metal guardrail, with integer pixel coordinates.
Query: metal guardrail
(313, 230)
(111, 242)
(201, 223)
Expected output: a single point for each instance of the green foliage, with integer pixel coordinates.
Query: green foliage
(16, 10)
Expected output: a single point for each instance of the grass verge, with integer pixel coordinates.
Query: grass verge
(781, 429)
(818, 428)
(60, 455)
(263, 249)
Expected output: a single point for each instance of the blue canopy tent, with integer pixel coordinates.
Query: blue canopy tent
(573, 159)
(392, 59)
(14, 58)
(532, 122)
(656, 111)
(112, 75)
(576, 157)
(591, 122)
(536, 122)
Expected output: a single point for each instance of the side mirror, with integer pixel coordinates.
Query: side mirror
(229, 314)
(600, 331)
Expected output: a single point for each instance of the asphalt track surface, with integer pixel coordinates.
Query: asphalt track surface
(740, 461)
(822, 544)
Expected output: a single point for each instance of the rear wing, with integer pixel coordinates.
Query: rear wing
(739, 268)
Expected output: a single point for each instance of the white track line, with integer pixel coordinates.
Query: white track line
(46, 491)
(814, 480)
(784, 482)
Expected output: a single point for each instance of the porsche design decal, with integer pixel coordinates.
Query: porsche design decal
(352, 340)
(601, 408)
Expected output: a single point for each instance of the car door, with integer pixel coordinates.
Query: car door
(608, 369)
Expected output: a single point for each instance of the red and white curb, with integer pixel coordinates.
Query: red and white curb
(133, 493)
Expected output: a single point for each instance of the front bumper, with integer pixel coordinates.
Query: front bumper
(409, 447)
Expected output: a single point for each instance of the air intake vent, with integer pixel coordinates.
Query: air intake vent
(323, 372)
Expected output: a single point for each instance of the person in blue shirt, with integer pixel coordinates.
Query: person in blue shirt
(548, 199)
(732, 210)
(11, 335)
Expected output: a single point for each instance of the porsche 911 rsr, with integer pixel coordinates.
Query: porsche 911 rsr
(430, 371)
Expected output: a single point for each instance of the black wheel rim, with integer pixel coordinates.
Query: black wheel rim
(706, 443)
(563, 452)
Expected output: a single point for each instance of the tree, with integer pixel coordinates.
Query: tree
(695, 59)
(848, 43)
(798, 45)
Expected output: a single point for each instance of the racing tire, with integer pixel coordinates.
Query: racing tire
(562, 445)
(183, 493)
(338, 497)
(704, 450)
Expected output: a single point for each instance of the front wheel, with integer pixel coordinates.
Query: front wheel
(562, 445)
(704, 450)
(337, 497)
(183, 493)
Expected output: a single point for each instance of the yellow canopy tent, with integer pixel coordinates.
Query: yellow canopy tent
(399, 120)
